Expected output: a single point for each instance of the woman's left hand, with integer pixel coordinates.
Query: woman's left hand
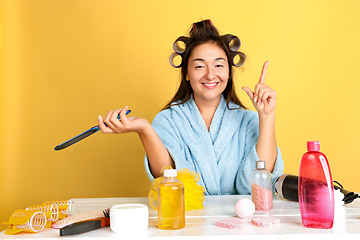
(263, 97)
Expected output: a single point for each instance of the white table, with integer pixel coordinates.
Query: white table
(200, 224)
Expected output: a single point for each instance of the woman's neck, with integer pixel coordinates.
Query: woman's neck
(207, 110)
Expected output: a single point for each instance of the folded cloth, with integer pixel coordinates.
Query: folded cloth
(224, 156)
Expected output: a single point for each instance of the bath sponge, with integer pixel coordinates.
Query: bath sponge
(232, 223)
(265, 221)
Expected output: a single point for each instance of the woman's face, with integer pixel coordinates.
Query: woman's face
(208, 73)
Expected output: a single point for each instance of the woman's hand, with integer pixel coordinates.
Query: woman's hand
(263, 97)
(124, 125)
(156, 152)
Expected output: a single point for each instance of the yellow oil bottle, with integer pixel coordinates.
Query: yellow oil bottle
(171, 208)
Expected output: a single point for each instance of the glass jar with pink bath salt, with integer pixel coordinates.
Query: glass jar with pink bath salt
(261, 187)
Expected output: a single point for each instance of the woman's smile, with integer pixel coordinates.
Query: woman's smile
(211, 85)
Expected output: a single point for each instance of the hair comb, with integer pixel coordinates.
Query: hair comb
(81, 136)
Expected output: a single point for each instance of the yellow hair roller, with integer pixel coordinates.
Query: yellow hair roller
(62, 205)
(31, 221)
(51, 212)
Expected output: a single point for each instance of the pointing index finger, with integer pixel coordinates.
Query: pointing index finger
(263, 72)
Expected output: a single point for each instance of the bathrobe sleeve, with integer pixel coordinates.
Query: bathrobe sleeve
(168, 132)
(243, 180)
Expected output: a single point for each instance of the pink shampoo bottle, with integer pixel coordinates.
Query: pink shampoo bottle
(316, 190)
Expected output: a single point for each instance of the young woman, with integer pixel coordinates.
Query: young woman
(205, 127)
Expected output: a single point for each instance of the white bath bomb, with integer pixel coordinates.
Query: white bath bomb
(245, 208)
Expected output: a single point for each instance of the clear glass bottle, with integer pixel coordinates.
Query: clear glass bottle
(316, 190)
(171, 202)
(261, 187)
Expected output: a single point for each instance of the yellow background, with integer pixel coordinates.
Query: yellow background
(64, 62)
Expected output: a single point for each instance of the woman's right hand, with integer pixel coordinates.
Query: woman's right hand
(124, 125)
(156, 152)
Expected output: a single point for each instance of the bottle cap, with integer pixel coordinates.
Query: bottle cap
(313, 146)
(260, 164)
(170, 173)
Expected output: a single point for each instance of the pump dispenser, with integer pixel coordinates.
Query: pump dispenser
(171, 209)
(261, 187)
(316, 190)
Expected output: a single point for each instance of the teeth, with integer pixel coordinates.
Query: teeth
(210, 84)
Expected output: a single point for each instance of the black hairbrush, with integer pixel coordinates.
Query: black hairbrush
(86, 225)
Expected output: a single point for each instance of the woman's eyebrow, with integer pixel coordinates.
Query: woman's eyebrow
(203, 60)
(198, 59)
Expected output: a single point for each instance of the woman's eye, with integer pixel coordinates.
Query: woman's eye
(199, 66)
(219, 65)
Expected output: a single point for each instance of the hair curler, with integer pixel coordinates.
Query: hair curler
(180, 44)
(63, 206)
(175, 58)
(237, 59)
(51, 212)
(26, 221)
(232, 41)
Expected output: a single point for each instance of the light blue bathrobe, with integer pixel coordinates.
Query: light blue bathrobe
(224, 156)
